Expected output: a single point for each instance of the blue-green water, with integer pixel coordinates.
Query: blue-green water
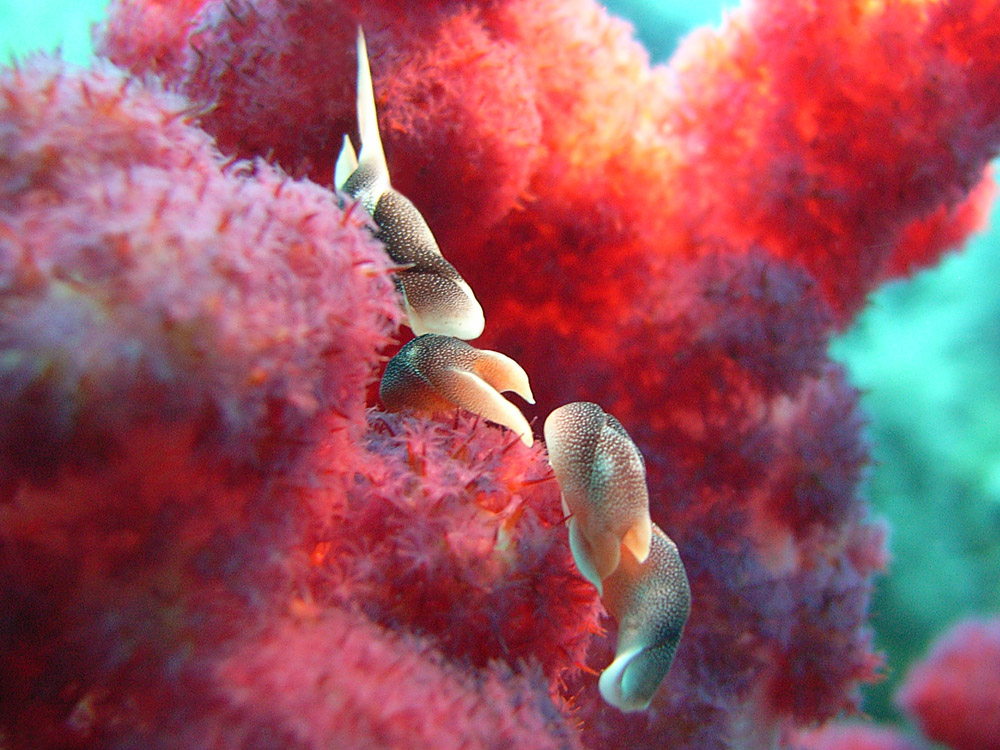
(926, 352)
(26, 26)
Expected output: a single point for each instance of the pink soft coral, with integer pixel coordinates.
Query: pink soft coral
(142, 280)
(954, 694)
(161, 45)
(190, 473)
(674, 243)
(452, 531)
(337, 680)
(168, 337)
(855, 736)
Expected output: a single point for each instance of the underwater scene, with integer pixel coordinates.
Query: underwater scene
(500, 374)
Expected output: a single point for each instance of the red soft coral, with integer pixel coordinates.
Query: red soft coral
(823, 132)
(453, 530)
(854, 737)
(118, 583)
(337, 680)
(148, 36)
(826, 163)
(954, 694)
(143, 280)
(167, 337)
(675, 243)
(186, 348)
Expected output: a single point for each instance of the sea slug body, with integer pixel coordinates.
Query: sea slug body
(435, 296)
(602, 478)
(439, 373)
(651, 601)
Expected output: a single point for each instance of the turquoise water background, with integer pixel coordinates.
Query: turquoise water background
(926, 352)
(29, 25)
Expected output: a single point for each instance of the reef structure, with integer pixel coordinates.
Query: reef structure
(211, 538)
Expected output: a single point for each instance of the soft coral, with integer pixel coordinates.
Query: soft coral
(674, 243)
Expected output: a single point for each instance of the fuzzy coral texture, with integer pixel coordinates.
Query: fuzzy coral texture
(207, 540)
(954, 693)
(953, 696)
(855, 736)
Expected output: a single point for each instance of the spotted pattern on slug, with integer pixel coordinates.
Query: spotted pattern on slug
(435, 373)
(651, 601)
(602, 478)
(435, 296)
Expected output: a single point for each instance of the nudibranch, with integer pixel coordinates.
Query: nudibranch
(651, 601)
(434, 373)
(436, 298)
(602, 478)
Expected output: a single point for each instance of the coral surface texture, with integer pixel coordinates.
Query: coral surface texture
(212, 532)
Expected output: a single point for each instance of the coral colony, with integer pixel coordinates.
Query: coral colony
(213, 534)
(954, 693)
